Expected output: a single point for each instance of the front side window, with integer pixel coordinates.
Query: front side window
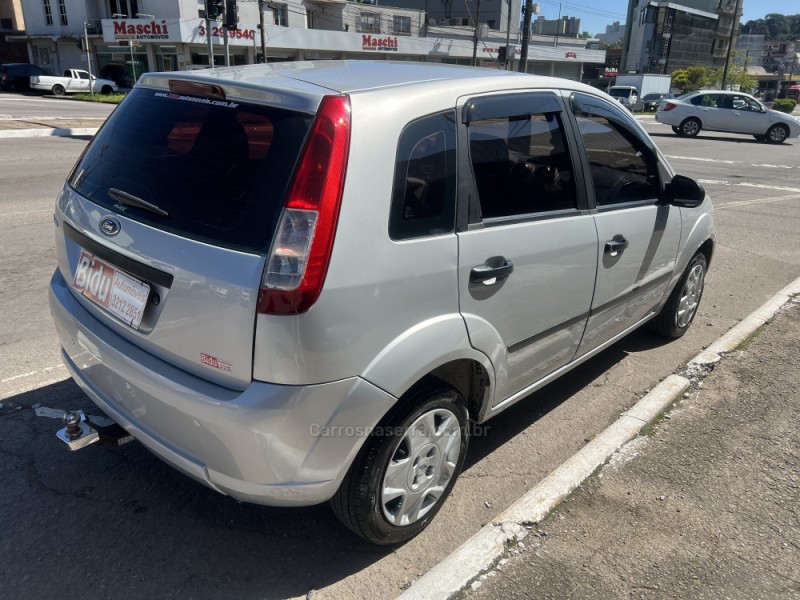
(623, 169)
(423, 198)
(521, 165)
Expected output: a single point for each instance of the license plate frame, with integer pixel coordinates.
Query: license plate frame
(115, 291)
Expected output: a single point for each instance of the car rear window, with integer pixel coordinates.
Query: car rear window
(219, 169)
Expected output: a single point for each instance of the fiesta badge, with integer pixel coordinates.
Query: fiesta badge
(110, 226)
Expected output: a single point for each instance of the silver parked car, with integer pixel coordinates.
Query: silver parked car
(303, 282)
(729, 112)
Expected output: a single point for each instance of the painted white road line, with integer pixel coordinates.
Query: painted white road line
(31, 374)
(730, 162)
(736, 204)
(759, 186)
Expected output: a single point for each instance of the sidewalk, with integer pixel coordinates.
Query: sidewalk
(48, 126)
(706, 505)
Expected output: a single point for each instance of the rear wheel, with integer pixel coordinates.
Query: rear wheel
(407, 467)
(777, 134)
(58, 90)
(106, 89)
(690, 127)
(681, 307)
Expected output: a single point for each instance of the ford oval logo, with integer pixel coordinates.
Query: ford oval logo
(110, 226)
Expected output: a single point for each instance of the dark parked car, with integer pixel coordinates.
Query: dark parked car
(15, 77)
(650, 102)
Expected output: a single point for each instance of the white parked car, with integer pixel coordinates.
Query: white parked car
(73, 81)
(729, 112)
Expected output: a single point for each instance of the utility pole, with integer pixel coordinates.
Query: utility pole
(508, 38)
(475, 40)
(526, 36)
(558, 26)
(261, 27)
(734, 25)
(88, 55)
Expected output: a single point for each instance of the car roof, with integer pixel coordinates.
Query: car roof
(361, 75)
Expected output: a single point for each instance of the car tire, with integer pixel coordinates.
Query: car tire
(58, 90)
(678, 313)
(406, 468)
(106, 90)
(690, 127)
(777, 134)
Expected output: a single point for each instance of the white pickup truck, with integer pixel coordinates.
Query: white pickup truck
(73, 81)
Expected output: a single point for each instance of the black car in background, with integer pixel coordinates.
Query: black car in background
(650, 102)
(15, 77)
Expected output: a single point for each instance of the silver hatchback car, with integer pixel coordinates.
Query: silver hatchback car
(303, 282)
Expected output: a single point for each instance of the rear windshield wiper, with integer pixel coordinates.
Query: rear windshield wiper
(131, 200)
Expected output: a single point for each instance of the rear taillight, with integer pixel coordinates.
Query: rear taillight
(300, 253)
(669, 106)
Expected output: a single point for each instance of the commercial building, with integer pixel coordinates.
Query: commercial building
(663, 36)
(129, 37)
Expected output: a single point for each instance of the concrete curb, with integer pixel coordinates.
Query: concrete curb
(488, 545)
(44, 132)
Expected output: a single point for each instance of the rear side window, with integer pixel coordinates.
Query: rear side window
(423, 198)
(219, 169)
(521, 165)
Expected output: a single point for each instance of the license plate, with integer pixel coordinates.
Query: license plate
(117, 292)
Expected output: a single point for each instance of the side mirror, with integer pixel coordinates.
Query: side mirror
(684, 191)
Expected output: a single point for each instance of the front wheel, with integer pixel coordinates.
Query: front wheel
(777, 134)
(58, 90)
(681, 307)
(106, 90)
(407, 467)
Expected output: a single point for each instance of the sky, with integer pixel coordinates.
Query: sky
(596, 15)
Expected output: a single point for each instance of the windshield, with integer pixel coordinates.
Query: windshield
(207, 169)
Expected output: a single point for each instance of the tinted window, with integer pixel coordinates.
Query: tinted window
(423, 199)
(521, 165)
(623, 169)
(708, 100)
(219, 169)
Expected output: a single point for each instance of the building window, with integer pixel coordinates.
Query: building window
(48, 13)
(129, 8)
(401, 25)
(62, 12)
(369, 22)
(280, 13)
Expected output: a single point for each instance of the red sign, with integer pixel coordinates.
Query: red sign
(570, 55)
(387, 44)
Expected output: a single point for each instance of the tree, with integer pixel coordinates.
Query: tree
(738, 76)
(693, 78)
(775, 27)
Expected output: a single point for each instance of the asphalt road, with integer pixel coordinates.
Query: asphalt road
(120, 523)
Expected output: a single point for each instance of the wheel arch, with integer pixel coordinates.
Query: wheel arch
(438, 349)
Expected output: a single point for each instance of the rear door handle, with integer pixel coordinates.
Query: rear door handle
(616, 245)
(492, 271)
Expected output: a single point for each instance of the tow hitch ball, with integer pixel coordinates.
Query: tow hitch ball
(78, 433)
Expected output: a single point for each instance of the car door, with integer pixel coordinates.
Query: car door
(747, 116)
(527, 246)
(638, 236)
(710, 109)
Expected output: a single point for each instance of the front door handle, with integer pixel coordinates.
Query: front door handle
(616, 245)
(492, 271)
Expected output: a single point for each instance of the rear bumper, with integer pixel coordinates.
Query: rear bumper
(269, 444)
